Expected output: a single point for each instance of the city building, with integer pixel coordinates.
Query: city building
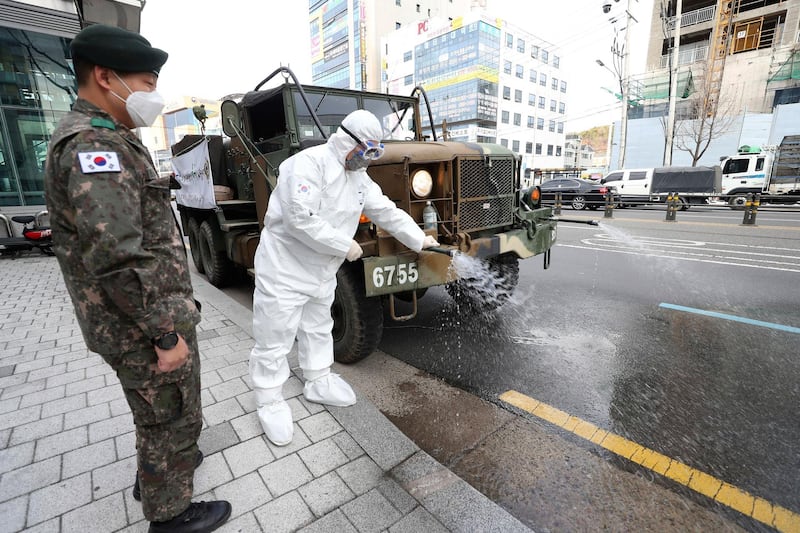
(345, 35)
(576, 153)
(37, 85)
(488, 80)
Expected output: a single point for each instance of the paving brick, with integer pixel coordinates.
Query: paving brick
(85, 385)
(67, 377)
(5, 434)
(418, 520)
(247, 426)
(397, 495)
(36, 430)
(246, 493)
(13, 513)
(335, 521)
(371, 512)
(49, 371)
(285, 514)
(234, 371)
(113, 477)
(12, 404)
(107, 514)
(217, 438)
(99, 370)
(111, 427)
(105, 394)
(228, 389)
(248, 402)
(20, 416)
(299, 442)
(209, 379)
(212, 473)
(119, 407)
(242, 524)
(16, 456)
(361, 475)
(35, 364)
(88, 458)
(125, 445)
(248, 456)
(285, 475)
(70, 403)
(322, 457)
(222, 411)
(60, 443)
(12, 380)
(83, 361)
(87, 415)
(325, 494)
(43, 396)
(58, 498)
(29, 478)
(22, 389)
(348, 445)
(320, 426)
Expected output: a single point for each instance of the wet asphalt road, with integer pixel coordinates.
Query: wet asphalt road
(591, 337)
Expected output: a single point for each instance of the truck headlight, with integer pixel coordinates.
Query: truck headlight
(421, 183)
(532, 197)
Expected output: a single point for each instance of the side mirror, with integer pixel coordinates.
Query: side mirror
(602, 180)
(231, 121)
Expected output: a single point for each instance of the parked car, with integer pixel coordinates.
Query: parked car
(578, 193)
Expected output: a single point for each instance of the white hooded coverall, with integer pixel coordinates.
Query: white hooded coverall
(311, 219)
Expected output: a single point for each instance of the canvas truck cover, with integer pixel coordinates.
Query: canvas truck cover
(686, 180)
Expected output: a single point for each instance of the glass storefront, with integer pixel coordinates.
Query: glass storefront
(37, 88)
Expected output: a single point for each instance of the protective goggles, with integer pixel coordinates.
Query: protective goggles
(371, 149)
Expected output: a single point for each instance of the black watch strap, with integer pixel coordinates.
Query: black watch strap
(166, 341)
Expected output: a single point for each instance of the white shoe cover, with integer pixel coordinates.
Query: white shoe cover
(329, 389)
(276, 421)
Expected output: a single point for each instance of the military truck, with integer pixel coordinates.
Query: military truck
(482, 211)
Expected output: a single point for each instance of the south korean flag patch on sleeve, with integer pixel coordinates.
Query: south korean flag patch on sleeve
(93, 162)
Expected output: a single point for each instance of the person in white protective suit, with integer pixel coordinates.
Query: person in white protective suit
(308, 232)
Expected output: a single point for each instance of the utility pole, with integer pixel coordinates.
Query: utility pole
(626, 87)
(673, 86)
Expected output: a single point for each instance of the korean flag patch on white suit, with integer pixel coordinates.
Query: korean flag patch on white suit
(92, 162)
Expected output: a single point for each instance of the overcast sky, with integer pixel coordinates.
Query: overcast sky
(218, 48)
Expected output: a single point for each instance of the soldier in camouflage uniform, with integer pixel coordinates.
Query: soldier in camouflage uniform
(124, 264)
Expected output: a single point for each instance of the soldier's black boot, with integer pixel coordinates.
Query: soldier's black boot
(137, 493)
(200, 517)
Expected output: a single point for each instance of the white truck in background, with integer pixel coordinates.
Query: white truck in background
(774, 172)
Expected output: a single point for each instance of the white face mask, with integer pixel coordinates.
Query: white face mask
(142, 106)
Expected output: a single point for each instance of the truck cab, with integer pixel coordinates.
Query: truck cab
(743, 174)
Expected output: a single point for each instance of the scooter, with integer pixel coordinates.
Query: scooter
(33, 236)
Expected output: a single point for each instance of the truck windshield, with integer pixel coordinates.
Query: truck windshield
(397, 117)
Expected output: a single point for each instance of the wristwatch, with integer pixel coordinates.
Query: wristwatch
(166, 341)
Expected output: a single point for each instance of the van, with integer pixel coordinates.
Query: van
(635, 186)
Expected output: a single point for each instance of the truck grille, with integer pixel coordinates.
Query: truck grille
(486, 194)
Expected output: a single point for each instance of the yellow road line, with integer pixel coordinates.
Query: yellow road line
(760, 509)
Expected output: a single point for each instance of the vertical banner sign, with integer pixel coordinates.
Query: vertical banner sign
(193, 172)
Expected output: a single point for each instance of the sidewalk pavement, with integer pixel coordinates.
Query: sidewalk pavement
(67, 447)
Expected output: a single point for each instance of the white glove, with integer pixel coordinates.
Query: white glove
(354, 252)
(429, 241)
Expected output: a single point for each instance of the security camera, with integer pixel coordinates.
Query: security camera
(606, 7)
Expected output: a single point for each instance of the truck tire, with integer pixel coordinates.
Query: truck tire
(737, 202)
(684, 203)
(193, 229)
(215, 263)
(357, 320)
(487, 293)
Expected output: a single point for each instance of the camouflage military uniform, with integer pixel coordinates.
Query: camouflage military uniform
(125, 267)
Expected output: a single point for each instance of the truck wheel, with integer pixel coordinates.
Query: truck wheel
(193, 229)
(216, 264)
(684, 203)
(737, 202)
(487, 292)
(578, 202)
(357, 320)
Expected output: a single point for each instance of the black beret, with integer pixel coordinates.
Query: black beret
(117, 49)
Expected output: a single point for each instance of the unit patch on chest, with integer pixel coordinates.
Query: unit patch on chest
(92, 162)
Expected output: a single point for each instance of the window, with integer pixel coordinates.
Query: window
(534, 51)
(641, 175)
(542, 101)
(507, 67)
(551, 125)
(560, 127)
(563, 86)
(532, 77)
(509, 40)
(397, 25)
(734, 166)
(528, 148)
(504, 117)
(549, 149)
(506, 93)
(397, 3)
(531, 99)
(539, 123)
(558, 150)
(556, 61)
(538, 148)
(543, 79)
(504, 143)
(520, 71)
(521, 45)
(408, 80)
(517, 95)
(530, 121)
(760, 163)
(554, 83)
(562, 108)
(545, 55)
(407, 56)
(553, 106)
(515, 146)
(517, 119)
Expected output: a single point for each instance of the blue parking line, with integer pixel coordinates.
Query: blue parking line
(734, 318)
